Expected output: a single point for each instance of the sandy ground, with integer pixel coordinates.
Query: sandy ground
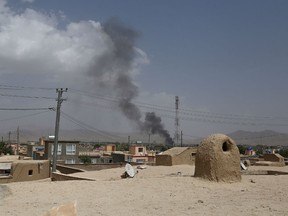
(153, 191)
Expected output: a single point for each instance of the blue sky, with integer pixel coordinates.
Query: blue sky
(219, 57)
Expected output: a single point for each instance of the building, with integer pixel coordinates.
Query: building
(138, 153)
(17, 169)
(271, 160)
(97, 157)
(250, 152)
(15, 148)
(121, 157)
(67, 152)
(177, 156)
(110, 148)
(35, 151)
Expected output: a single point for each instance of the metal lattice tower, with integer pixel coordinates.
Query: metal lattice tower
(176, 136)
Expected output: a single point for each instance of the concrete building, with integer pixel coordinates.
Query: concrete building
(121, 157)
(110, 148)
(67, 152)
(35, 151)
(139, 154)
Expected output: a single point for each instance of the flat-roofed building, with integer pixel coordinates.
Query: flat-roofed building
(67, 152)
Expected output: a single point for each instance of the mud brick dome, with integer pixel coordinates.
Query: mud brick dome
(218, 159)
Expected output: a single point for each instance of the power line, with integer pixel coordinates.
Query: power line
(260, 137)
(25, 116)
(88, 127)
(189, 112)
(26, 96)
(26, 109)
(186, 111)
(16, 87)
(203, 116)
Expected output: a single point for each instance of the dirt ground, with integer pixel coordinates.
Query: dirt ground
(157, 190)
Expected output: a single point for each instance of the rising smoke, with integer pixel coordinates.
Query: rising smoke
(153, 124)
(118, 63)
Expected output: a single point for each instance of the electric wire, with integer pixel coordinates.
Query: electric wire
(16, 87)
(24, 116)
(197, 117)
(26, 96)
(259, 137)
(184, 114)
(26, 109)
(88, 127)
(189, 112)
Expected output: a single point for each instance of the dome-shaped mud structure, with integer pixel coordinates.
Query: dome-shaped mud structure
(218, 159)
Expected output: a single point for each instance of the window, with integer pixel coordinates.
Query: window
(94, 160)
(5, 169)
(140, 149)
(70, 149)
(70, 161)
(140, 160)
(59, 149)
(129, 158)
(30, 172)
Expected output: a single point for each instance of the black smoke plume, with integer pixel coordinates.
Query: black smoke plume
(154, 125)
(117, 63)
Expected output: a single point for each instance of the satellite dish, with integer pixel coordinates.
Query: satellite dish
(129, 170)
(243, 166)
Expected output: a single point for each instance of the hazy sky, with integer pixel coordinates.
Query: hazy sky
(226, 60)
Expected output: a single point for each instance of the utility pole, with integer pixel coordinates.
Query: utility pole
(149, 143)
(59, 102)
(176, 136)
(9, 138)
(181, 138)
(18, 142)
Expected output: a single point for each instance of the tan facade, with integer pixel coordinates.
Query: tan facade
(177, 156)
(110, 148)
(139, 154)
(271, 160)
(137, 150)
(24, 170)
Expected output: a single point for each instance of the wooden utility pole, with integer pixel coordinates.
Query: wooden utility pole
(181, 138)
(59, 102)
(128, 140)
(9, 138)
(18, 141)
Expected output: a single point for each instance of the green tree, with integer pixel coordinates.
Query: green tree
(122, 147)
(5, 148)
(85, 159)
(164, 148)
(242, 149)
(284, 153)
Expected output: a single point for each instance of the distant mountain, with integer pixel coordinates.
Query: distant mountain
(266, 137)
